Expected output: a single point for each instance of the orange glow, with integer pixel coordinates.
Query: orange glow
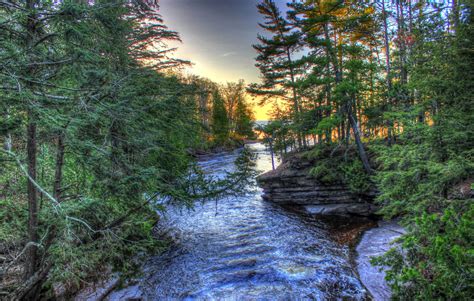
(262, 112)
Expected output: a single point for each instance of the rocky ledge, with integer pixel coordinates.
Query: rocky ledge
(376, 242)
(292, 184)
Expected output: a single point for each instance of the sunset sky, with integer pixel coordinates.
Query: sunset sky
(217, 38)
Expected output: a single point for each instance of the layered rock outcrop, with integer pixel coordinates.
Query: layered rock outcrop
(291, 183)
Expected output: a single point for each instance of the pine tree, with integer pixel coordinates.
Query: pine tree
(275, 61)
(220, 120)
(244, 120)
(345, 23)
(94, 132)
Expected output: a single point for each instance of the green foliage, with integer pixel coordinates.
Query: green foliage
(411, 178)
(244, 121)
(327, 124)
(355, 176)
(113, 129)
(81, 253)
(419, 176)
(220, 119)
(326, 172)
(436, 259)
(113, 134)
(12, 221)
(334, 165)
(276, 62)
(415, 180)
(396, 75)
(276, 135)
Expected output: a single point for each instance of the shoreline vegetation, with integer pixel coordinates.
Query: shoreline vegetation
(96, 126)
(384, 92)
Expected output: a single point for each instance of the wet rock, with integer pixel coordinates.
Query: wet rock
(291, 184)
(376, 242)
(108, 290)
(364, 209)
(131, 293)
(98, 291)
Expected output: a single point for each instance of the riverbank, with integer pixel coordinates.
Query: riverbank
(214, 149)
(321, 186)
(364, 238)
(257, 247)
(315, 182)
(245, 247)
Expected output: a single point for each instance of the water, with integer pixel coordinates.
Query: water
(244, 248)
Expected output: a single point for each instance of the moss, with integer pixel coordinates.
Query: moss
(336, 164)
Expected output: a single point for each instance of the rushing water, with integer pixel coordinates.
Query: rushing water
(243, 248)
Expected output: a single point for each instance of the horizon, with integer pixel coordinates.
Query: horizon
(217, 37)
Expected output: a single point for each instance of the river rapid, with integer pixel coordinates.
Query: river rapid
(244, 248)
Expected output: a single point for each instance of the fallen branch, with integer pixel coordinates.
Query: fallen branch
(22, 292)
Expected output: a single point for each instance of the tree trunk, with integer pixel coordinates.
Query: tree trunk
(455, 11)
(388, 70)
(387, 47)
(32, 258)
(295, 97)
(352, 121)
(28, 289)
(272, 154)
(31, 264)
(332, 54)
(7, 144)
(401, 39)
(343, 131)
(328, 72)
(58, 174)
(360, 146)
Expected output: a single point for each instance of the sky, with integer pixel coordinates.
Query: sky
(217, 38)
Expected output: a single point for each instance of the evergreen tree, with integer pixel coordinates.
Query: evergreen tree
(279, 70)
(220, 125)
(244, 120)
(94, 134)
(392, 71)
(333, 28)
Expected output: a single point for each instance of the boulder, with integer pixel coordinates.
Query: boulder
(376, 242)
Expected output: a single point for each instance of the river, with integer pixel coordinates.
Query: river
(244, 248)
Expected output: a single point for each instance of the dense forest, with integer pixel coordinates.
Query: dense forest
(393, 81)
(98, 122)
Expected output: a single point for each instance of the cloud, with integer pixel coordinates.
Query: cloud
(229, 54)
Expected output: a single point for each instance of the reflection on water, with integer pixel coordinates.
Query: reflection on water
(244, 248)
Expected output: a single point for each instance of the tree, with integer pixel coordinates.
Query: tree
(233, 94)
(95, 133)
(275, 61)
(392, 71)
(339, 70)
(220, 125)
(244, 120)
(200, 91)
